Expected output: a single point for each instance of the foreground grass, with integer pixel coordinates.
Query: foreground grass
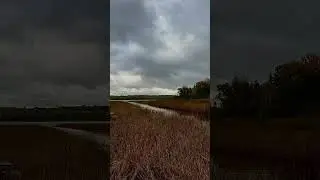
(287, 148)
(45, 153)
(275, 139)
(147, 145)
(199, 107)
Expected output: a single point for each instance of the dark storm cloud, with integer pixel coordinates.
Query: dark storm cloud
(57, 44)
(157, 46)
(129, 19)
(251, 37)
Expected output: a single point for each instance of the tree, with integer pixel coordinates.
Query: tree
(298, 84)
(184, 92)
(291, 89)
(201, 89)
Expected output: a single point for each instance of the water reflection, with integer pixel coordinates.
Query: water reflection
(101, 139)
(155, 109)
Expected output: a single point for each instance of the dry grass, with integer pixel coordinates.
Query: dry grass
(200, 107)
(147, 145)
(47, 154)
(278, 146)
(276, 139)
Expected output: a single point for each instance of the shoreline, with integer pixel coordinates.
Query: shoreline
(44, 153)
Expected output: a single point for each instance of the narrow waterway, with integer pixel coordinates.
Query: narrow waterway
(101, 139)
(167, 112)
(154, 109)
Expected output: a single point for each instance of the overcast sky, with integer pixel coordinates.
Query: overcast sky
(53, 52)
(250, 37)
(158, 45)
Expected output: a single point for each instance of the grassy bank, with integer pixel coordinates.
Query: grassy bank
(147, 145)
(45, 153)
(198, 107)
(286, 147)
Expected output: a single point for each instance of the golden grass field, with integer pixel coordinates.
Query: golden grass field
(146, 145)
(199, 107)
(43, 153)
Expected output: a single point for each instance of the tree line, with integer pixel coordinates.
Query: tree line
(76, 113)
(199, 90)
(292, 89)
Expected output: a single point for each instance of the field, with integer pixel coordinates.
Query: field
(198, 107)
(146, 145)
(286, 148)
(41, 152)
(45, 153)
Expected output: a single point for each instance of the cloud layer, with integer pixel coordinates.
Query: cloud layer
(251, 37)
(157, 46)
(53, 53)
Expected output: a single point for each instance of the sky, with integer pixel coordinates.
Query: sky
(157, 46)
(53, 53)
(249, 37)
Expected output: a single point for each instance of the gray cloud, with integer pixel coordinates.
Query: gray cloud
(157, 46)
(251, 37)
(53, 53)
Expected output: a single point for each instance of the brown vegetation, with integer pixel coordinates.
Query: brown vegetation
(272, 124)
(278, 146)
(146, 145)
(45, 153)
(198, 107)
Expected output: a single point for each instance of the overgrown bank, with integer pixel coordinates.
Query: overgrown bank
(148, 145)
(272, 124)
(196, 107)
(45, 153)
